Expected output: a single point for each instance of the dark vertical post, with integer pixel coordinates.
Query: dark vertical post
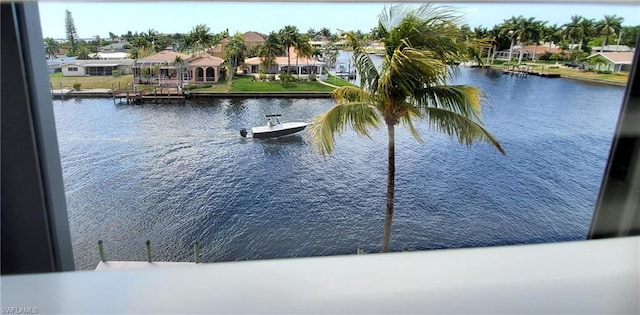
(196, 252)
(61, 94)
(113, 92)
(103, 257)
(148, 251)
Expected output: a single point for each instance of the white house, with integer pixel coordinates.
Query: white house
(616, 61)
(96, 67)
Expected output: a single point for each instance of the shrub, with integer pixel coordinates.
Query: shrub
(545, 56)
(312, 77)
(116, 73)
(272, 77)
(557, 57)
(622, 74)
(262, 76)
(76, 86)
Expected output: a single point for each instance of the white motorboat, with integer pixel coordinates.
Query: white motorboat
(275, 129)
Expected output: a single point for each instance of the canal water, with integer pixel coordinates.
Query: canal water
(177, 174)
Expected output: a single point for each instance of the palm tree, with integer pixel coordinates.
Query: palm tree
(572, 29)
(609, 25)
(179, 62)
(411, 85)
(50, 47)
(325, 33)
(537, 30)
(586, 29)
(289, 37)
(82, 53)
(552, 34)
(302, 48)
(200, 39)
(269, 50)
(510, 29)
(234, 51)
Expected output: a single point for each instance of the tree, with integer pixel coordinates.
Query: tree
(411, 85)
(50, 47)
(609, 25)
(82, 53)
(269, 50)
(586, 29)
(179, 63)
(200, 39)
(70, 28)
(552, 34)
(234, 51)
(302, 48)
(289, 36)
(572, 29)
(630, 35)
(325, 33)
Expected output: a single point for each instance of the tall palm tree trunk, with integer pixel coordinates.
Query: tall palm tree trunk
(391, 177)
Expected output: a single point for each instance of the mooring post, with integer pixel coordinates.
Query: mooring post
(148, 251)
(196, 252)
(113, 92)
(61, 93)
(103, 257)
(155, 95)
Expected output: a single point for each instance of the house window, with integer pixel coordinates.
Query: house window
(72, 68)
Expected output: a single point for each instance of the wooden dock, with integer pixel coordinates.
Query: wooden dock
(526, 72)
(159, 95)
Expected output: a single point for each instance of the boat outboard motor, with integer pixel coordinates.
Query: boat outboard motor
(243, 132)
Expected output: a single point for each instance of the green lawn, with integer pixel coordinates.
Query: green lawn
(221, 87)
(338, 82)
(245, 84)
(89, 82)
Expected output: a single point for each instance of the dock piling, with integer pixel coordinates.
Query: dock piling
(103, 257)
(196, 252)
(149, 251)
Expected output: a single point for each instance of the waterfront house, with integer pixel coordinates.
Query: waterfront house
(303, 65)
(615, 61)
(204, 68)
(94, 67)
(529, 52)
(161, 68)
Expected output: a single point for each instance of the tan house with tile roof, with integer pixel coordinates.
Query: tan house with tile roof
(616, 61)
(161, 68)
(251, 39)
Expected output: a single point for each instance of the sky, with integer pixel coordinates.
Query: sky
(93, 19)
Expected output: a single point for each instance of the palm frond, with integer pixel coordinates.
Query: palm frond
(467, 130)
(359, 116)
(363, 63)
(462, 99)
(345, 94)
(407, 120)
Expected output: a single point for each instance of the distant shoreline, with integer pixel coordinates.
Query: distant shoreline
(576, 77)
(320, 95)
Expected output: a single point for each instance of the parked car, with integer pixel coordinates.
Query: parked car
(572, 64)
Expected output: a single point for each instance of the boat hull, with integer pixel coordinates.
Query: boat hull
(278, 131)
